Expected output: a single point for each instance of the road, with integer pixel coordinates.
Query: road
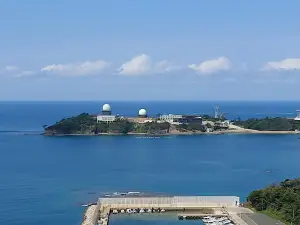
(259, 219)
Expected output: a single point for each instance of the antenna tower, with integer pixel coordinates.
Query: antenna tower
(217, 112)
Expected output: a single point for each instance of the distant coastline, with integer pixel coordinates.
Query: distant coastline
(240, 131)
(106, 123)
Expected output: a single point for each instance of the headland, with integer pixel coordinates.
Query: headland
(106, 123)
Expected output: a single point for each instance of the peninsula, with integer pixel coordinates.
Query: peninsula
(108, 124)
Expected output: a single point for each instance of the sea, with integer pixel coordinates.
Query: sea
(45, 180)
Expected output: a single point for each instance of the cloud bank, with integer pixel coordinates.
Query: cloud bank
(212, 66)
(77, 69)
(143, 64)
(10, 68)
(284, 65)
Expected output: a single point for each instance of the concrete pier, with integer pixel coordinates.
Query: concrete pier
(100, 213)
(174, 202)
(89, 215)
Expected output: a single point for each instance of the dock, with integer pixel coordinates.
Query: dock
(185, 205)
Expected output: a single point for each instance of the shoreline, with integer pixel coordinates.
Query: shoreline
(239, 131)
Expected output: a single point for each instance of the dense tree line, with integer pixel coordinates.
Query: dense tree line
(191, 127)
(118, 126)
(87, 124)
(81, 124)
(281, 201)
(151, 128)
(270, 124)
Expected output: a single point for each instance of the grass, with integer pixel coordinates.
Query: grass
(275, 215)
(271, 213)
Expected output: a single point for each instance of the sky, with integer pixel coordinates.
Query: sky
(149, 50)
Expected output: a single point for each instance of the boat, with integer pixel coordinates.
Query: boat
(129, 211)
(133, 192)
(142, 210)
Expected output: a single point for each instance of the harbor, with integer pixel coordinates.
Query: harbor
(214, 210)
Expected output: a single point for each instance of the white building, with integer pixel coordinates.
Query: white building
(170, 118)
(106, 118)
(298, 115)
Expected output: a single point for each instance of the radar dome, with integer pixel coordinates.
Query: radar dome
(142, 112)
(106, 107)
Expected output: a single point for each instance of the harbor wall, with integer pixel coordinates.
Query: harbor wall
(96, 214)
(170, 202)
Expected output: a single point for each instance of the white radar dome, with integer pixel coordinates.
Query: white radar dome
(106, 107)
(142, 112)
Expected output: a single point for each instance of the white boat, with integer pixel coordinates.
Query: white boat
(133, 192)
(115, 211)
(142, 210)
(134, 211)
(122, 211)
(149, 210)
(163, 210)
(129, 211)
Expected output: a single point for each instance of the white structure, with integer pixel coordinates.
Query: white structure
(170, 118)
(143, 113)
(145, 121)
(298, 115)
(106, 118)
(106, 107)
(171, 202)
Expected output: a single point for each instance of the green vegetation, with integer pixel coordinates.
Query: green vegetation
(87, 124)
(81, 124)
(191, 127)
(118, 127)
(278, 201)
(152, 128)
(213, 119)
(270, 124)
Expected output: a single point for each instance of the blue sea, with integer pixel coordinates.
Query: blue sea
(44, 180)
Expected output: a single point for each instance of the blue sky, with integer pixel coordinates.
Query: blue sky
(149, 50)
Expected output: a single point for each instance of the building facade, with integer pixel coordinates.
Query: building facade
(170, 118)
(180, 119)
(106, 118)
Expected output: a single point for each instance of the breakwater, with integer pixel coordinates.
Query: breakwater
(99, 214)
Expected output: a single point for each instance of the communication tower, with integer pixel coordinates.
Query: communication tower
(217, 112)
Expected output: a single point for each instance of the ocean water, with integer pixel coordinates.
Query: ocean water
(43, 180)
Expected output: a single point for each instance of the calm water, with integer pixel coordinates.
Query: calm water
(43, 180)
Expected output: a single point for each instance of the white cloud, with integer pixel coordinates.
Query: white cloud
(284, 65)
(138, 65)
(15, 71)
(25, 73)
(143, 64)
(212, 66)
(10, 68)
(78, 69)
(165, 66)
